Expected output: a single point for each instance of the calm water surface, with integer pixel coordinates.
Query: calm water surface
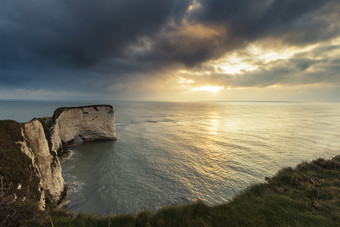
(174, 153)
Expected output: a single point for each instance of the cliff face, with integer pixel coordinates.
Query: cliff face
(29, 165)
(44, 159)
(32, 171)
(72, 125)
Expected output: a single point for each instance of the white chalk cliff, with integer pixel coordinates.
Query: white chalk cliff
(44, 160)
(88, 123)
(41, 141)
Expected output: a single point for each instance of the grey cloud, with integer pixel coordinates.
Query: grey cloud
(241, 22)
(252, 19)
(54, 43)
(75, 32)
(86, 44)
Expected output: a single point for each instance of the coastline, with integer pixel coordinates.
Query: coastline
(153, 213)
(305, 195)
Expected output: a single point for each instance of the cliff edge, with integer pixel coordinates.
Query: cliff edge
(30, 170)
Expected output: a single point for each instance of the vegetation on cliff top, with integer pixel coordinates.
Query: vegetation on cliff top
(305, 196)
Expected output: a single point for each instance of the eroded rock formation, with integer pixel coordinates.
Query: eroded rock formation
(29, 168)
(36, 146)
(87, 123)
(29, 164)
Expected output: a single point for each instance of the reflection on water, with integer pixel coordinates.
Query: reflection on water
(173, 153)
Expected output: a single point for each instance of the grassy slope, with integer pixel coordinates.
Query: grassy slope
(308, 195)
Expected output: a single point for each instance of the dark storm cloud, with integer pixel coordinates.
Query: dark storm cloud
(53, 42)
(295, 22)
(86, 44)
(253, 19)
(80, 32)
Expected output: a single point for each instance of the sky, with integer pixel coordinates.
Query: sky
(170, 50)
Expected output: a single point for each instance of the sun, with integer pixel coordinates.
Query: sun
(213, 89)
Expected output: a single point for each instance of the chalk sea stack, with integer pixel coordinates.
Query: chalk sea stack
(69, 125)
(30, 170)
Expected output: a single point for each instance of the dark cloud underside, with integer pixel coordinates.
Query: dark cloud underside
(69, 44)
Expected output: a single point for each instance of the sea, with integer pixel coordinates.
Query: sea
(170, 153)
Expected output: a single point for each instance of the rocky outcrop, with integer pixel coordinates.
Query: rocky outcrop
(29, 164)
(29, 168)
(72, 125)
(36, 146)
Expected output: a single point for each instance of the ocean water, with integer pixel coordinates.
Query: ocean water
(175, 153)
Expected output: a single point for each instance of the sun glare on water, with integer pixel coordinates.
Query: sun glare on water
(213, 89)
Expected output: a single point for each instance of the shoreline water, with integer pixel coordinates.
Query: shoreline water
(302, 196)
(190, 151)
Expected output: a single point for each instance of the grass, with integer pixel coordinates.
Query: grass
(305, 196)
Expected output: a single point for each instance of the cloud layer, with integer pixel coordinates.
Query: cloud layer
(108, 47)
